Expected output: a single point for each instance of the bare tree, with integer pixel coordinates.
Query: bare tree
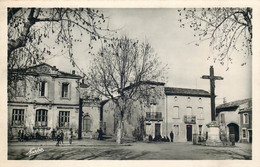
(228, 29)
(123, 73)
(34, 33)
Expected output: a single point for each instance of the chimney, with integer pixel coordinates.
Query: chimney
(224, 100)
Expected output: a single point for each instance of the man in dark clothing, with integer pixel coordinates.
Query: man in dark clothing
(171, 135)
(71, 136)
(100, 133)
(58, 139)
(62, 136)
(53, 134)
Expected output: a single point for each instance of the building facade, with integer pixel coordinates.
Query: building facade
(183, 111)
(246, 133)
(188, 112)
(229, 119)
(46, 99)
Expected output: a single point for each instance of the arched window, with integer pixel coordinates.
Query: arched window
(87, 122)
(41, 119)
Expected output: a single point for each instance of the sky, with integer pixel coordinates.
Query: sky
(175, 47)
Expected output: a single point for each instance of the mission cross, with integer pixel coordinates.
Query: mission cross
(212, 79)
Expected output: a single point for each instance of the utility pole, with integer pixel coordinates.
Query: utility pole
(80, 119)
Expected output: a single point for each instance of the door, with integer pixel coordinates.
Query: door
(157, 129)
(189, 132)
(234, 130)
(250, 136)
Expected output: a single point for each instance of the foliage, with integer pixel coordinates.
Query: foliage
(123, 72)
(34, 33)
(139, 131)
(228, 29)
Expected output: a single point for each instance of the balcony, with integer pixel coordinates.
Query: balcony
(153, 116)
(190, 119)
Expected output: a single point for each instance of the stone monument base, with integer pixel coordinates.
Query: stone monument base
(213, 135)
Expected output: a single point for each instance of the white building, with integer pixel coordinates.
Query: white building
(183, 111)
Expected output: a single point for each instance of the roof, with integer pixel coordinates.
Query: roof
(246, 110)
(233, 106)
(186, 92)
(47, 69)
(144, 83)
(236, 103)
(153, 83)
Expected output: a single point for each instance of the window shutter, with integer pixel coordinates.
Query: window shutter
(46, 89)
(62, 90)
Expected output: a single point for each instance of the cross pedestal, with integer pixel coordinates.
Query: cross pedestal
(213, 134)
(213, 127)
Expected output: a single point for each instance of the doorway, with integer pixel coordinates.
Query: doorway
(234, 129)
(189, 132)
(250, 136)
(157, 130)
(87, 122)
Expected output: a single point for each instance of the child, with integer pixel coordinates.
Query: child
(58, 139)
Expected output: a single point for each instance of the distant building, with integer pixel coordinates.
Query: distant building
(246, 124)
(187, 112)
(229, 119)
(183, 111)
(91, 112)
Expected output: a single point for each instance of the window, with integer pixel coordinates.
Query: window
(245, 118)
(189, 111)
(201, 113)
(43, 89)
(153, 107)
(222, 118)
(64, 119)
(176, 130)
(200, 99)
(176, 112)
(65, 90)
(41, 119)
(18, 117)
(200, 129)
(243, 133)
(188, 99)
(20, 88)
(87, 123)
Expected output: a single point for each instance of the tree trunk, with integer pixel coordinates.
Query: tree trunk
(120, 130)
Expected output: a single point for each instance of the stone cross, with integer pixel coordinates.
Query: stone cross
(212, 79)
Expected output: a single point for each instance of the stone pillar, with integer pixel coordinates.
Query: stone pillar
(213, 134)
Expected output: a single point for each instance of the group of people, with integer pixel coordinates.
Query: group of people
(162, 139)
(60, 136)
(25, 136)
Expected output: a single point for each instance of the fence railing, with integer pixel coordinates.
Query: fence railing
(154, 116)
(191, 119)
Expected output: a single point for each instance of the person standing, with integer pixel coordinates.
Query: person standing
(71, 135)
(62, 136)
(53, 134)
(19, 135)
(100, 133)
(172, 136)
(58, 138)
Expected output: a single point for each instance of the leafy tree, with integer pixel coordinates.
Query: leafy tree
(228, 29)
(34, 33)
(123, 73)
(139, 131)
